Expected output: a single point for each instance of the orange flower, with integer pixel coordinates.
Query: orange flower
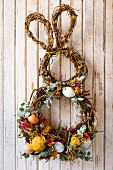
(54, 154)
(59, 88)
(86, 137)
(50, 141)
(77, 90)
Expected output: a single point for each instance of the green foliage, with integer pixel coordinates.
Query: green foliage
(75, 148)
(25, 135)
(21, 109)
(43, 148)
(85, 155)
(25, 155)
(63, 157)
(18, 120)
(20, 114)
(59, 127)
(22, 104)
(24, 110)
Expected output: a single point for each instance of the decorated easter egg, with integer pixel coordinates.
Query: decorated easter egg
(59, 147)
(68, 92)
(86, 144)
(33, 119)
(27, 149)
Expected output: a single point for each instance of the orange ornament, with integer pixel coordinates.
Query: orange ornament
(33, 119)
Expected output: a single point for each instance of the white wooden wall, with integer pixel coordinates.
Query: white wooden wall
(19, 62)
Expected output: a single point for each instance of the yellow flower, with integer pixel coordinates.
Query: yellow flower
(79, 67)
(58, 52)
(59, 88)
(73, 17)
(77, 90)
(51, 40)
(32, 135)
(55, 21)
(37, 143)
(76, 140)
(47, 24)
(71, 51)
(28, 21)
(48, 53)
(46, 130)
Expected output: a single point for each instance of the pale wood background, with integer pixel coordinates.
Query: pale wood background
(19, 62)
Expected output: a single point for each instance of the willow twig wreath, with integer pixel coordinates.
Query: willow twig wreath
(42, 140)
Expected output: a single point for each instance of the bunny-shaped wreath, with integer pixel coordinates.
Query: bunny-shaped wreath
(42, 140)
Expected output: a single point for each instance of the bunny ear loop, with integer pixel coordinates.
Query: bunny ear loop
(61, 41)
(37, 16)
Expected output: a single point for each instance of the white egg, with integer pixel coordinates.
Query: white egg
(68, 92)
(59, 147)
(27, 149)
(86, 144)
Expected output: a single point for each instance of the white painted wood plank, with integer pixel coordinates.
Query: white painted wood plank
(1, 85)
(20, 74)
(43, 8)
(65, 75)
(88, 55)
(9, 86)
(31, 51)
(31, 61)
(98, 86)
(77, 44)
(109, 87)
(55, 68)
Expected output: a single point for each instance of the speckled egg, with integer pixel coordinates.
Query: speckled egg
(68, 92)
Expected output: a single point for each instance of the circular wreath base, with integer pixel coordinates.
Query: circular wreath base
(75, 58)
(44, 141)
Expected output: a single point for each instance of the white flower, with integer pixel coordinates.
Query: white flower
(82, 130)
(48, 101)
(80, 99)
(79, 133)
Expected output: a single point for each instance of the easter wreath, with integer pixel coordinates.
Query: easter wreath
(42, 140)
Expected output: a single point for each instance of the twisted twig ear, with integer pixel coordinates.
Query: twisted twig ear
(55, 15)
(40, 18)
